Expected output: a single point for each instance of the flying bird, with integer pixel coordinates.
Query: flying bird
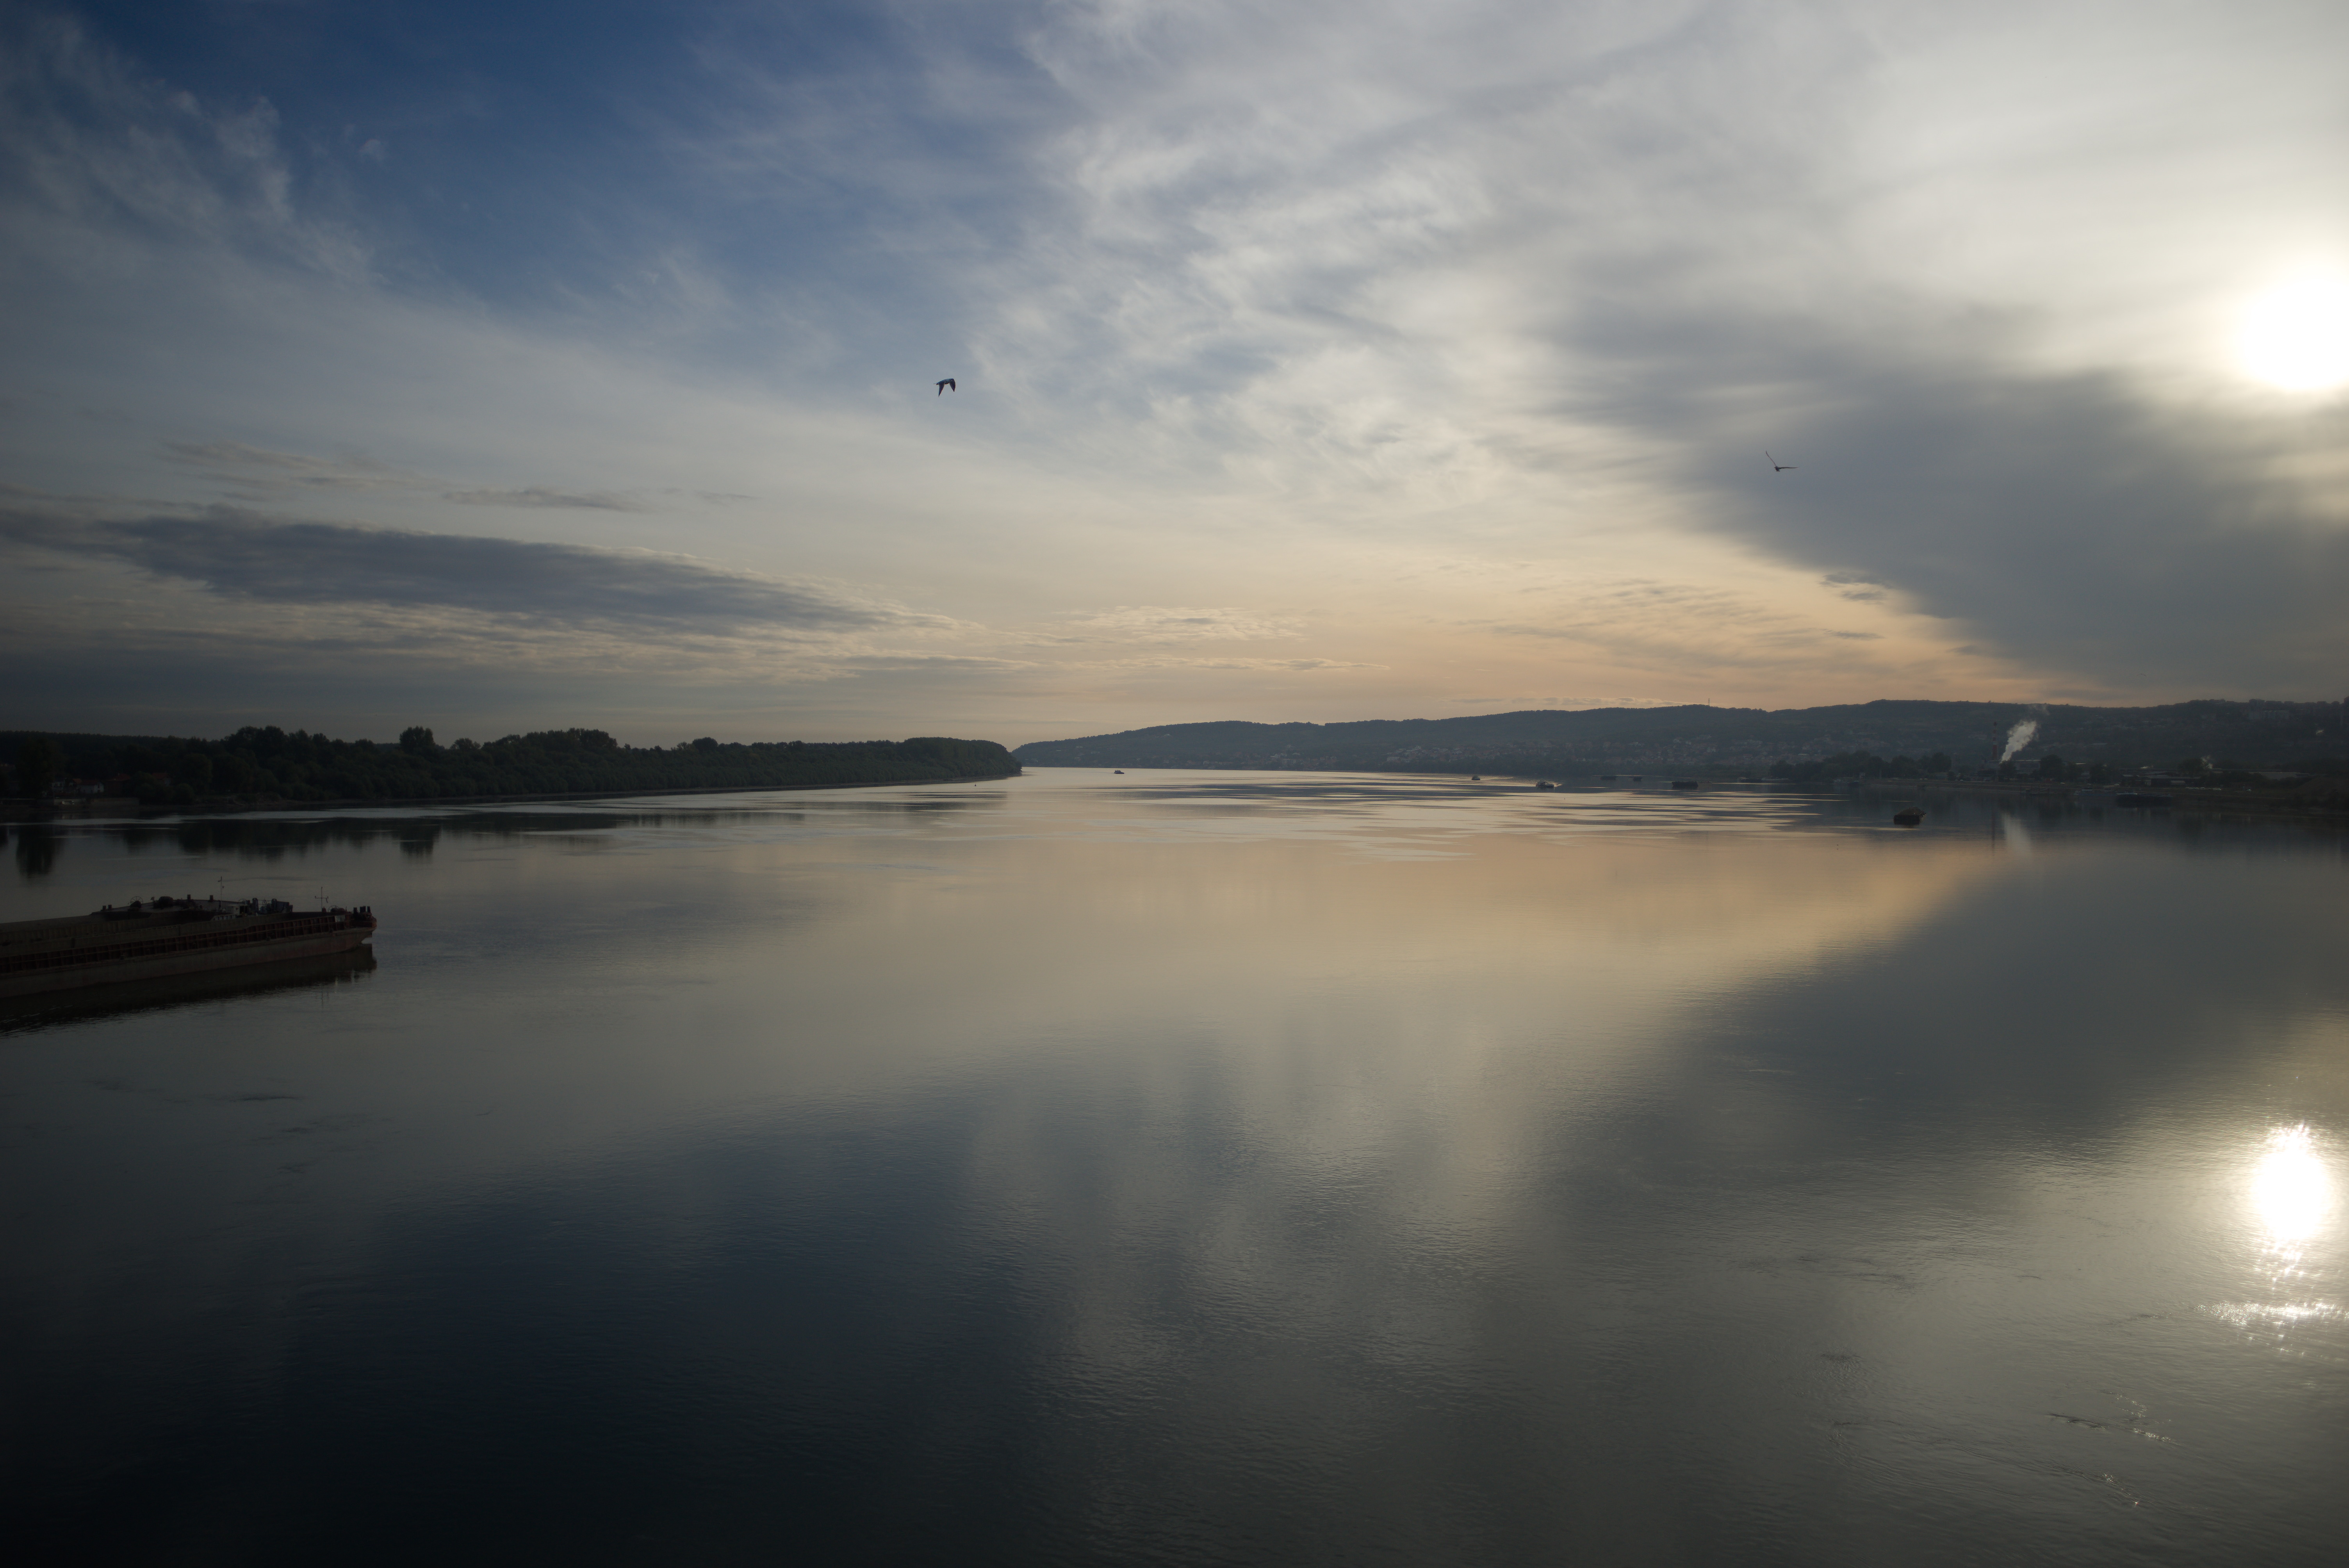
(1775, 466)
(947, 386)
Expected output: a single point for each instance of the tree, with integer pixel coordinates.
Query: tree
(416, 741)
(39, 760)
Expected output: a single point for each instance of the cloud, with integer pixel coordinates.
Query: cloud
(2074, 521)
(933, 662)
(236, 454)
(1365, 330)
(1166, 624)
(258, 472)
(540, 498)
(89, 142)
(1444, 255)
(239, 554)
(1862, 589)
(1172, 663)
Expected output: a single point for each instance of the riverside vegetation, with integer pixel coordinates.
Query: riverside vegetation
(256, 765)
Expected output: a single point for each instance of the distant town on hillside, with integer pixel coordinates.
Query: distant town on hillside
(1964, 737)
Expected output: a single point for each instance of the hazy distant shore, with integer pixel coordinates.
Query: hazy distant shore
(1717, 743)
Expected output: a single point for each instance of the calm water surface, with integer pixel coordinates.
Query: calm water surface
(1279, 1169)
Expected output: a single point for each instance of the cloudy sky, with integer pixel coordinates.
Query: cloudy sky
(506, 366)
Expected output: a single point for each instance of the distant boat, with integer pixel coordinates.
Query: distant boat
(1544, 784)
(1908, 816)
(1119, 771)
(1687, 783)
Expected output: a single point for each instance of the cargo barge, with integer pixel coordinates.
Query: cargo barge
(167, 936)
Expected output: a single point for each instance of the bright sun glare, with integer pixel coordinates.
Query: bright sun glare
(2291, 1190)
(2295, 336)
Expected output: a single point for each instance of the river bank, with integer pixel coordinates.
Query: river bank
(105, 806)
(2319, 798)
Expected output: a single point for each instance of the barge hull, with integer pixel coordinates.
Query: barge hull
(162, 966)
(169, 938)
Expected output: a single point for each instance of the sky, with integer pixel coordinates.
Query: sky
(508, 366)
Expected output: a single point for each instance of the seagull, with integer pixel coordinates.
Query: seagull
(1775, 466)
(947, 386)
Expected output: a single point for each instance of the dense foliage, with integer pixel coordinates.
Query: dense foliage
(256, 764)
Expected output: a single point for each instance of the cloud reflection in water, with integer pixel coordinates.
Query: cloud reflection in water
(1246, 1170)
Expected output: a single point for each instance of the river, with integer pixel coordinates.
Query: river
(1194, 1168)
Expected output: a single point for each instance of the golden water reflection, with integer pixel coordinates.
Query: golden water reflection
(2291, 1188)
(2291, 1194)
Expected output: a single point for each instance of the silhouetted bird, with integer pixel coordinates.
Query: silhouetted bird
(947, 386)
(1775, 466)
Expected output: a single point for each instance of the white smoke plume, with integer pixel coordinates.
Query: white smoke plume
(2019, 737)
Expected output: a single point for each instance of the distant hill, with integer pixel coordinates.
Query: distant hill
(269, 764)
(1731, 741)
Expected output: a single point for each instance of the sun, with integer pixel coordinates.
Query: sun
(2295, 336)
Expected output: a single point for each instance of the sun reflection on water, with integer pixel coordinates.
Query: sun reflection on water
(2291, 1193)
(2291, 1188)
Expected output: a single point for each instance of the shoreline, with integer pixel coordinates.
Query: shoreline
(219, 806)
(2180, 798)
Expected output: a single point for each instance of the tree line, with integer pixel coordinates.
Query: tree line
(258, 764)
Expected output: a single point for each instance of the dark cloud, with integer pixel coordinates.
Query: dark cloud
(1858, 589)
(244, 556)
(238, 455)
(2075, 521)
(255, 472)
(536, 496)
